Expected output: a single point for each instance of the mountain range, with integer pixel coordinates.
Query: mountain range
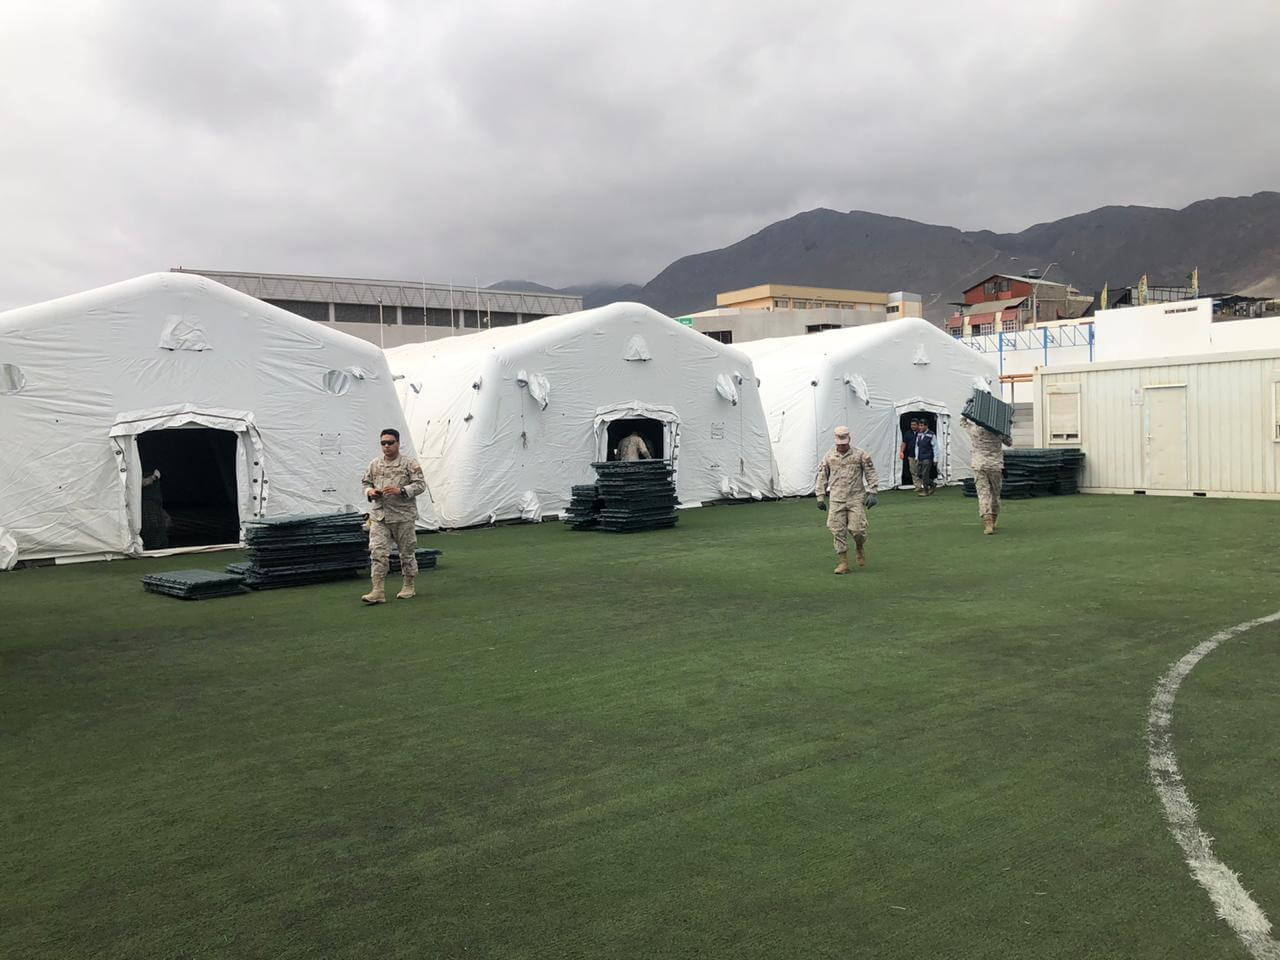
(1234, 241)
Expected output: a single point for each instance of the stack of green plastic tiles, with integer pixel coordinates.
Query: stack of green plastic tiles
(290, 551)
(193, 584)
(635, 495)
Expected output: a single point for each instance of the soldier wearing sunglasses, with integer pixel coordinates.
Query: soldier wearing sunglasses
(392, 484)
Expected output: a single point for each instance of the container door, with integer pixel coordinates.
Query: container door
(1165, 438)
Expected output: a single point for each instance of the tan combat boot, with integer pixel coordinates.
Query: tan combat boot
(857, 551)
(844, 563)
(406, 591)
(995, 519)
(988, 524)
(377, 594)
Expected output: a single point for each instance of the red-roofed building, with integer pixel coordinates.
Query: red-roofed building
(1003, 302)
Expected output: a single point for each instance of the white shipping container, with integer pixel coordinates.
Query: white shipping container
(1205, 425)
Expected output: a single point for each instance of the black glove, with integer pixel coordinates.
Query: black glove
(822, 505)
(871, 500)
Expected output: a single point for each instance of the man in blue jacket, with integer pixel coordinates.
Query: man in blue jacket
(926, 446)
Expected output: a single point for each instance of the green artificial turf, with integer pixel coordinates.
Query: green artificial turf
(686, 743)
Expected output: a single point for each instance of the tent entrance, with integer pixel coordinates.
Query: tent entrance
(650, 430)
(195, 502)
(621, 418)
(904, 429)
(937, 416)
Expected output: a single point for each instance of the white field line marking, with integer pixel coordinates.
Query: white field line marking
(1230, 899)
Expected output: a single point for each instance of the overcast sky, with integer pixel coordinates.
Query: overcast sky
(568, 142)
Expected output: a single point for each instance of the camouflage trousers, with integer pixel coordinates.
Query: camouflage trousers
(988, 481)
(914, 464)
(383, 533)
(845, 517)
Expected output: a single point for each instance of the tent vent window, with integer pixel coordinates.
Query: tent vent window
(637, 349)
(337, 382)
(12, 378)
(183, 333)
(727, 389)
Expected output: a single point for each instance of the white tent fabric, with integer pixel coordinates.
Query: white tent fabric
(866, 378)
(507, 420)
(95, 370)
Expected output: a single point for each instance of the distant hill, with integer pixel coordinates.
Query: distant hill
(522, 286)
(593, 294)
(1235, 241)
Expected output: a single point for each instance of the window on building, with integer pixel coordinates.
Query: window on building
(1064, 416)
(1013, 323)
(310, 309)
(989, 287)
(782, 301)
(832, 305)
(361, 313)
(892, 308)
(846, 306)
(819, 327)
(983, 329)
(1003, 286)
(724, 336)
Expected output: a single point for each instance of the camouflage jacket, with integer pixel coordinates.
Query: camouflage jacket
(633, 447)
(403, 472)
(986, 446)
(848, 476)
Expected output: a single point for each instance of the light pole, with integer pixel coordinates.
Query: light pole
(381, 344)
(1035, 320)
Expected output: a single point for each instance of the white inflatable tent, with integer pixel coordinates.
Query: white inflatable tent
(507, 420)
(247, 410)
(871, 378)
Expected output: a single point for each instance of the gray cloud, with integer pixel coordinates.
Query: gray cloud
(573, 141)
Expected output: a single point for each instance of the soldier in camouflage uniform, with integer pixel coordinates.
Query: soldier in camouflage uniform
(848, 474)
(987, 460)
(391, 484)
(633, 447)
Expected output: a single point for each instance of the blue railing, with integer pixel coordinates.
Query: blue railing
(1042, 339)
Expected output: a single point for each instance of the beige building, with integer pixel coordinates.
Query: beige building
(903, 304)
(771, 296)
(783, 310)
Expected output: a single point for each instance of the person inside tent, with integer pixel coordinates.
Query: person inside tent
(925, 451)
(155, 520)
(987, 460)
(907, 451)
(848, 475)
(633, 447)
(392, 484)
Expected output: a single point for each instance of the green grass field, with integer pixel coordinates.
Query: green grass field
(693, 743)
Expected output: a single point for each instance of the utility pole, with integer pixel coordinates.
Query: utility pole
(1035, 287)
(381, 343)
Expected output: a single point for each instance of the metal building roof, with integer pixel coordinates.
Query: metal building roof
(393, 293)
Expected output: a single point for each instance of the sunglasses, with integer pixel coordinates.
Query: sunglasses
(389, 443)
